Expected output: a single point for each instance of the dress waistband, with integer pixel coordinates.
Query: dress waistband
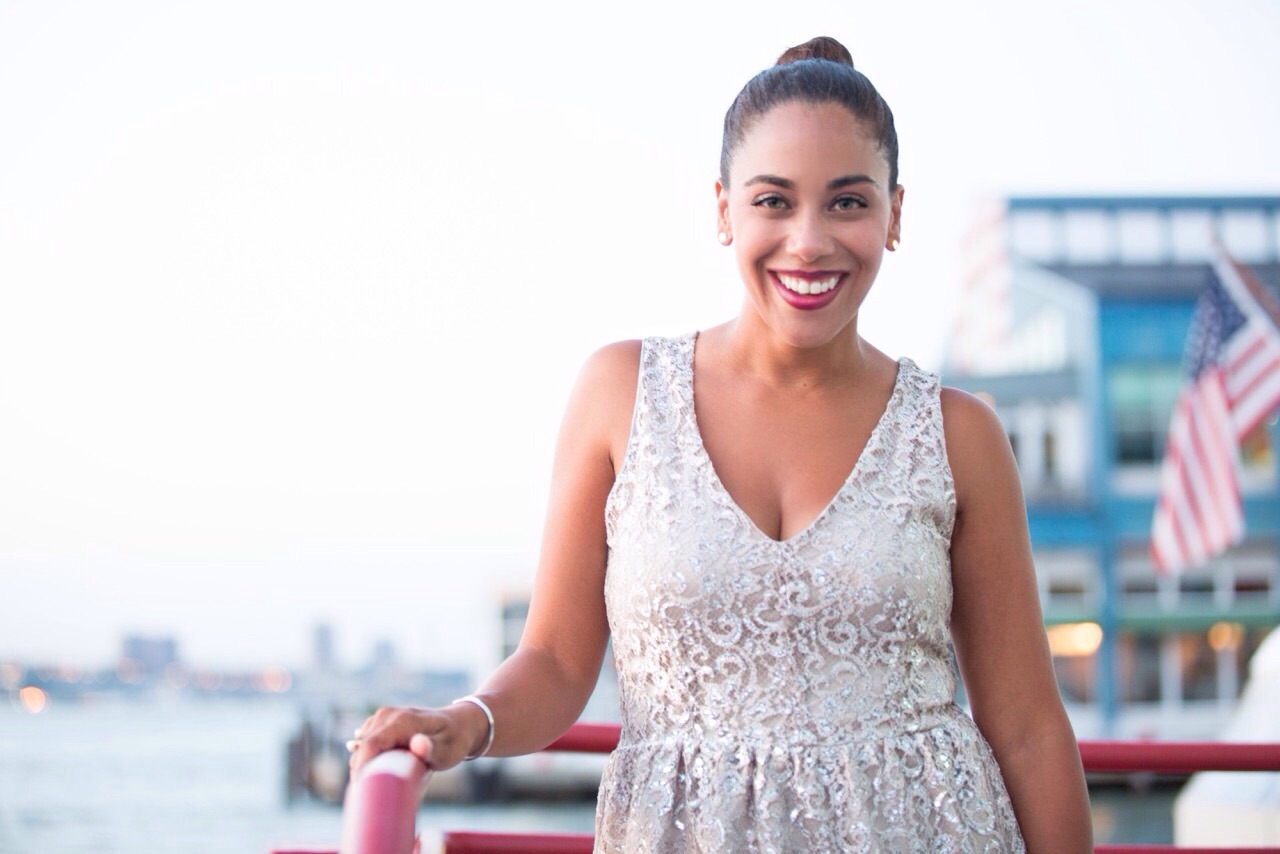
(912, 727)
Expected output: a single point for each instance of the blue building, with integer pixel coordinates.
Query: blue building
(1073, 327)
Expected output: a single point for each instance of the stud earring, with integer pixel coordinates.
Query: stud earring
(893, 245)
(724, 238)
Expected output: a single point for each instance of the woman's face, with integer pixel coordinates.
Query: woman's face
(810, 212)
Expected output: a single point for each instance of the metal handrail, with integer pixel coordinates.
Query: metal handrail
(1163, 757)
(1178, 757)
(382, 800)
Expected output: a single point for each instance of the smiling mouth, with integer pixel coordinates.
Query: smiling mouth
(808, 286)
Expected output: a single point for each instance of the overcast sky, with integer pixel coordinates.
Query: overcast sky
(292, 293)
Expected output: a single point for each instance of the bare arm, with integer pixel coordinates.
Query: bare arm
(999, 635)
(538, 692)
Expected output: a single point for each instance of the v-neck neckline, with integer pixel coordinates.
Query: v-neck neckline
(722, 491)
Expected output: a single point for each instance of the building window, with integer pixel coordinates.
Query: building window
(1068, 581)
(1255, 448)
(1190, 231)
(1142, 399)
(1076, 678)
(1143, 236)
(1196, 585)
(1138, 660)
(1090, 236)
(1252, 586)
(1199, 668)
(1246, 235)
(1139, 591)
(1068, 594)
(1035, 235)
(1049, 455)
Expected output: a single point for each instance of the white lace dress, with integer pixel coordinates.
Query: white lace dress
(793, 695)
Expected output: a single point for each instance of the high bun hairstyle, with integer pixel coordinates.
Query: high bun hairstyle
(820, 71)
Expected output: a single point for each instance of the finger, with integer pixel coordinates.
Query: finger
(366, 750)
(391, 732)
(420, 746)
(371, 743)
(378, 719)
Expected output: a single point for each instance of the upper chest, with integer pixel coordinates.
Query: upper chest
(783, 456)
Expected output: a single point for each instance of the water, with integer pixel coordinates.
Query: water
(182, 776)
(208, 776)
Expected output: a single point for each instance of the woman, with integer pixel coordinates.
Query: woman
(786, 532)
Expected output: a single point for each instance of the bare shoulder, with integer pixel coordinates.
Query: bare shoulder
(605, 393)
(609, 378)
(613, 364)
(967, 417)
(977, 445)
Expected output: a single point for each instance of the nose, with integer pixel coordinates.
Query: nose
(810, 237)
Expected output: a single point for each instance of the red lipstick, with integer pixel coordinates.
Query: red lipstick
(807, 302)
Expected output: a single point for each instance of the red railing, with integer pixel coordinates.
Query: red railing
(382, 801)
(1178, 757)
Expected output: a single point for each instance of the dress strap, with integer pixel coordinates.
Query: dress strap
(660, 409)
(919, 428)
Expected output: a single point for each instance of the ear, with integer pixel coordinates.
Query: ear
(722, 210)
(895, 217)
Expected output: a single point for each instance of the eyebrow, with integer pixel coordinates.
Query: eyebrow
(834, 184)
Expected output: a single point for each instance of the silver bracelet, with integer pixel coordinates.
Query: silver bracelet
(488, 713)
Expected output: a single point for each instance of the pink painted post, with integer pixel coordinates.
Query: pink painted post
(382, 803)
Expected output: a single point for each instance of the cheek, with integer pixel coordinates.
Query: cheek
(753, 241)
(870, 245)
(867, 239)
(749, 268)
(761, 232)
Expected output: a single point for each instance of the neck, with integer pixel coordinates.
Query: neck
(752, 347)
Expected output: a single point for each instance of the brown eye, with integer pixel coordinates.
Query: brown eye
(848, 203)
(771, 201)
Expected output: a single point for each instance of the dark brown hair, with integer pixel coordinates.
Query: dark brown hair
(820, 71)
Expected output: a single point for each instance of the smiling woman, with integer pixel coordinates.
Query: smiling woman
(787, 534)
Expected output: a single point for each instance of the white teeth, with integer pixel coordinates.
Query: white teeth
(806, 286)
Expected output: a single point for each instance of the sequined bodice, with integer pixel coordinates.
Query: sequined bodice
(779, 695)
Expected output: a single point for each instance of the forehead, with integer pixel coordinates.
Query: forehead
(797, 140)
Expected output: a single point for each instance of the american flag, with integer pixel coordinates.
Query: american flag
(1233, 384)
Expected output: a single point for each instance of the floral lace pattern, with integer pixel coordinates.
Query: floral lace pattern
(790, 695)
